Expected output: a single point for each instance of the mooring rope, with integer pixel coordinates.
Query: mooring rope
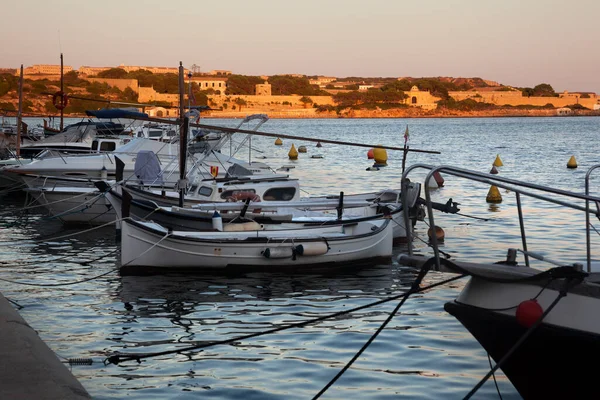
(117, 358)
(413, 289)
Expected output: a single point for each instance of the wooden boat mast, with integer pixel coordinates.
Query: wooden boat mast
(183, 130)
(19, 114)
(62, 96)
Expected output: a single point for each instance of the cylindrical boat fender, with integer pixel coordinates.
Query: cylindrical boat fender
(243, 226)
(278, 252)
(312, 249)
(217, 221)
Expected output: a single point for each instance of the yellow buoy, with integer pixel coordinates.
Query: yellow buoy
(498, 161)
(494, 195)
(278, 142)
(301, 149)
(380, 156)
(293, 154)
(572, 162)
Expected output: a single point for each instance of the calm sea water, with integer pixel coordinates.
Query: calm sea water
(423, 353)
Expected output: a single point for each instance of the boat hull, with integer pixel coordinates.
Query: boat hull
(152, 249)
(144, 206)
(75, 207)
(550, 364)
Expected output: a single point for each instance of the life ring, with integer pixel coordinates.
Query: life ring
(62, 103)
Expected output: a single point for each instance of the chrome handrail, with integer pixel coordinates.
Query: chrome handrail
(513, 185)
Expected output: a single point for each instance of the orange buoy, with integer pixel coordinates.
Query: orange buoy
(494, 195)
(278, 142)
(293, 153)
(370, 154)
(528, 312)
(572, 162)
(439, 233)
(380, 156)
(494, 170)
(498, 161)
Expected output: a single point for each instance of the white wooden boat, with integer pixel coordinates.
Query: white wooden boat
(305, 210)
(149, 247)
(538, 317)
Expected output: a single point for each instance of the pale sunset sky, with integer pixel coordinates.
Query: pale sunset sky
(514, 42)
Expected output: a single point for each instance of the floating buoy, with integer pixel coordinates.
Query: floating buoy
(317, 156)
(498, 161)
(380, 156)
(493, 170)
(439, 233)
(373, 168)
(370, 154)
(494, 195)
(301, 149)
(572, 162)
(278, 142)
(319, 144)
(436, 180)
(293, 153)
(528, 312)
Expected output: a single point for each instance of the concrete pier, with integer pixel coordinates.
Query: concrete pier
(29, 369)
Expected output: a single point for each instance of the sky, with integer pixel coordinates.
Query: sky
(518, 43)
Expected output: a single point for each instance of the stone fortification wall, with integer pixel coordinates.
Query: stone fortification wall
(271, 101)
(148, 94)
(516, 98)
(121, 84)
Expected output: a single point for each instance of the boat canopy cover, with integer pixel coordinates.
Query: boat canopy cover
(147, 167)
(116, 113)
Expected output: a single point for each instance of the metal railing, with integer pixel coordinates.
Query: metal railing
(516, 186)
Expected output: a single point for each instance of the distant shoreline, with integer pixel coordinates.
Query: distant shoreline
(376, 114)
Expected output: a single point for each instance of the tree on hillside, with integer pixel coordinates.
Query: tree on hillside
(240, 102)
(544, 90)
(306, 101)
(288, 85)
(242, 84)
(8, 82)
(115, 73)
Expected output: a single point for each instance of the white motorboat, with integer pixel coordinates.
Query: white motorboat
(75, 205)
(537, 322)
(149, 247)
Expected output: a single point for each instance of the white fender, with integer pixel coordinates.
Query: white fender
(312, 249)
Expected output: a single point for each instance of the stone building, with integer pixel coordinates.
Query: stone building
(421, 98)
(218, 84)
(46, 69)
(263, 89)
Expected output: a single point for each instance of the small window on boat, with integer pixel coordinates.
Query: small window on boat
(205, 191)
(108, 146)
(155, 133)
(280, 194)
(95, 145)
